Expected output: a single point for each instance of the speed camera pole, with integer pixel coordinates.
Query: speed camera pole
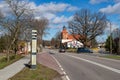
(34, 49)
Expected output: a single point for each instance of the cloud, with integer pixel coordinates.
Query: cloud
(62, 19)
(52, 7)
(113, 27)
(116, 1)
(50, 10)
(47, 10)
(111, 9)
(4, 8)
(72, 8)
(97, 1)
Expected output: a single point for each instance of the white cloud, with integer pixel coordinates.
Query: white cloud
(61, 19)
(116, 1)
(111, 9)
(52, 7)
(50, 10)
(97, 1)
(47, 10)
(72, 8)
(111, 27)
(4, 8)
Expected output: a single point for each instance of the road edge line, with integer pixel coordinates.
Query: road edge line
(98, 64)
(65, 76)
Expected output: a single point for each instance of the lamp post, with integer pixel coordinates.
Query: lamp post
(110, 39)
(119, 41)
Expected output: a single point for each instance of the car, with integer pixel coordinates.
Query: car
(61, 50)
(84, 50)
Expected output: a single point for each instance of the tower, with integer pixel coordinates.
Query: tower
(64, 33)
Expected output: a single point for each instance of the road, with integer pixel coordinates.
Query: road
(86, 67)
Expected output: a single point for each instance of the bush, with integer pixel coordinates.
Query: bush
(4, 59)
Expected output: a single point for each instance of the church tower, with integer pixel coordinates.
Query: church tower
(64, 33)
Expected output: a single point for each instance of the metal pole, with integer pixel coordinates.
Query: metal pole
(34, 49)
(119, 41)
(110, 39)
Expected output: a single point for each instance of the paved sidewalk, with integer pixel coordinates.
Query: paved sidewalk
(14, 68)
(46, 59)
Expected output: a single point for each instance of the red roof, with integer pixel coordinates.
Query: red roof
(73, 36)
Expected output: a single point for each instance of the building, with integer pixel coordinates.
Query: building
(70, 40)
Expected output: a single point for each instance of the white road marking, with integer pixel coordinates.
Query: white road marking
(95, 63)
(103, 58)
(64, 73)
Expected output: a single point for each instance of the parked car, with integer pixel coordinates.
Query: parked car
(84, 50)
(61, 50)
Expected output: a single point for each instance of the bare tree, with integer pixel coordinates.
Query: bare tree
(88, 25)
(41, 26)
(15, 21)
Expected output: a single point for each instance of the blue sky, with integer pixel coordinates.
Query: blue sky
(59, 12)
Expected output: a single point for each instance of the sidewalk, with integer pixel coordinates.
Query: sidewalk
(14, 68)
(43, 58)
(46, 59)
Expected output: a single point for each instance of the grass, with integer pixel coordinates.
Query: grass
(40, 73)
(13, 58)
(112, 57)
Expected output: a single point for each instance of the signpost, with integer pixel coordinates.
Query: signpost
(34, 49)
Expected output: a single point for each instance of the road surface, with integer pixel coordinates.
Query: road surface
(86, 67)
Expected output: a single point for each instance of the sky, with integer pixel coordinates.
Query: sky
(59, 12)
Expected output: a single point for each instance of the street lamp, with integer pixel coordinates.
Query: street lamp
(119, 41)
(110, 39)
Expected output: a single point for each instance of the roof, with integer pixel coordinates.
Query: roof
(70, 36)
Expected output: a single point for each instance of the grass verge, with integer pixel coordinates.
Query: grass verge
(13, 58)
(40, 73)
(117, 57)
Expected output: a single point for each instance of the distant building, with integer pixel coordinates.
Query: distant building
(70, 40)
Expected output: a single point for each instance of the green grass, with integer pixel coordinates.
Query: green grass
(13, 58)
(113, 57)
(40, 73)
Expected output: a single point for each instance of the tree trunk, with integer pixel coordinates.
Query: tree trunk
(8, 55)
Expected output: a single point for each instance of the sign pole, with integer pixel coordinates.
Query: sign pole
(34, 49)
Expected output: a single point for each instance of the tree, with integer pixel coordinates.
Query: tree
(108, 43)
(53, 42)
(41, 26)
(88, 25)
(57, 39)
(16, 21)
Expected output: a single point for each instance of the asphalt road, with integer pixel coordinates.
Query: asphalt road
(86, 67)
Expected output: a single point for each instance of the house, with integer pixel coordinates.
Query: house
(70, 40)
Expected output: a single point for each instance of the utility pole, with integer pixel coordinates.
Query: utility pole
(110, 39)
(119, 42)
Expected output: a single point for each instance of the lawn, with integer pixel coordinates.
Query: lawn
(40, 73)
(13, 58)
(113, 57)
